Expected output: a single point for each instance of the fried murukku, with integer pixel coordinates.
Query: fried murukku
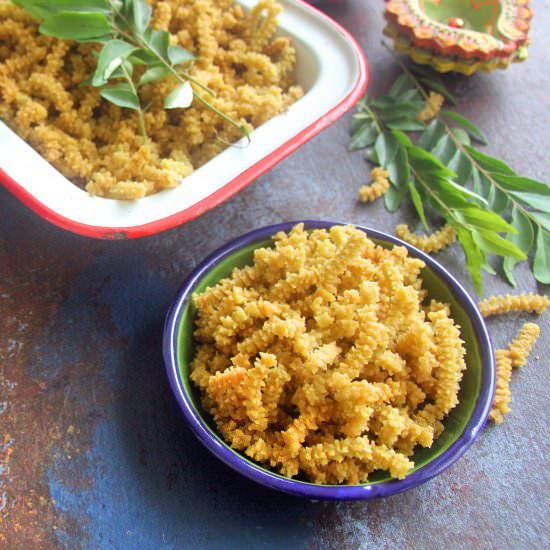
(98, 145)
(321, 360)
(495, 305)
(435, 242)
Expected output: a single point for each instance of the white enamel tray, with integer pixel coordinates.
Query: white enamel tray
(331, 68)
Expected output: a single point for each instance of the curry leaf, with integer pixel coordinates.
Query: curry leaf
(418, 205)
(398, 169)
(110, 58)
(541, 264)
(386, 147)
(122, 95)
(180, 97)
(178, 55)
(534, 200)
(363, 136)
(523, 239)
(542, 218)
(76, 25)
(474, 131)
(140, 14)
(493, 243)
(393, 198)
(158, 41)
(153, 74)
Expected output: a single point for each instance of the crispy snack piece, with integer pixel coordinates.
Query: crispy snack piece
(432, 107)
(98, 145)
(320, 360)
(514, 356)
(428, 243)
(502, 393)
(379, 185)
(535, 303)
(520, 347)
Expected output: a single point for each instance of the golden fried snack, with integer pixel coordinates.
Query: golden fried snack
(379, 185)
(428, 243)
(535, 303)
(514, 356)
(433, 105)
(321, 361)
(98, 145)
(502, 392)
(520, 347)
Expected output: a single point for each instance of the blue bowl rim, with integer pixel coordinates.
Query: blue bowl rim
(314, 491)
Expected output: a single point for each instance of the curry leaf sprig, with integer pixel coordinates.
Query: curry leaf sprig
(492, 209)
(128, 41)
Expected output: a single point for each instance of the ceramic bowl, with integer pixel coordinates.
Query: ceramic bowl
(330, 67)
(462, 426)
(460, 36)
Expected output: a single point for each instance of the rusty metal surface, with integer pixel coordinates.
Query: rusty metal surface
(93, 451)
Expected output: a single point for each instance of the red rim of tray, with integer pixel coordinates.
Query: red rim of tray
(229, 189)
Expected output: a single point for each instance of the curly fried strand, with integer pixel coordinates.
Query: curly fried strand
(520, 347)
(428, 243)
(379, 185)
(502, 393)
(432, 107)
(320, 360)
(495, 305)
(514, 356)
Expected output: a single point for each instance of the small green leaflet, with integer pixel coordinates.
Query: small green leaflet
(386, 148)
(393, 198)
(490, 242)
(542, 218)
(541, 263)
(110, 58)
(158, 42)
(475, 132)
(419, 206)
(121, 95)
(178, 55)
(523, 239)
(363, 135)
(153, 74)
(475, 258)
(76, 25)
(40, 9)
(180, 97)
(139, 13)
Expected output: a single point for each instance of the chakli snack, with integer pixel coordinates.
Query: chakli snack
(321, 361)
(436, 241)
(98, 145)
(379, 185)
(517, 352)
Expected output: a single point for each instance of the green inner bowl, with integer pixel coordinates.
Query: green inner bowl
(482, 18)
(454, 423)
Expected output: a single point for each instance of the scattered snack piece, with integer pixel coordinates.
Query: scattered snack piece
(98, 145)
(535, 303)
(379, 185)
(520, 347)
(514, 356)
(321, 360)
(432, 107)
(428, 243)
(502, 393)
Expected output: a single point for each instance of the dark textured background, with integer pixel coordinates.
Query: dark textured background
(93, 451)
